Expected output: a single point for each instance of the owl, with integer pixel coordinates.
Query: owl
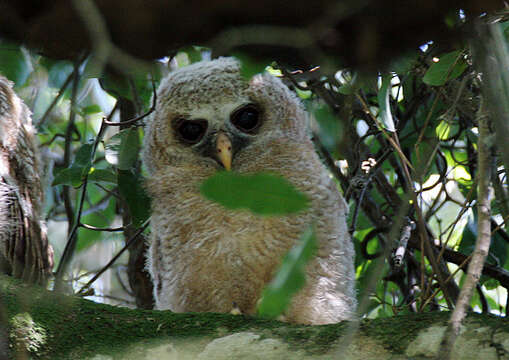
(204, 257)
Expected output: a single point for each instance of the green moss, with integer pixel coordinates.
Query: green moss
(51, 326)
(25, 334)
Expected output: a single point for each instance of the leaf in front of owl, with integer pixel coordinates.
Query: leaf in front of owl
(262, 193)
(122, 149)
(289, 278)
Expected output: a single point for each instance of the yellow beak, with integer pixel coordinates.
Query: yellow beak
(224, 150)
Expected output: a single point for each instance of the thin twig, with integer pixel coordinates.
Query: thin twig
(72, 238)
(134, 120)
(90, 227)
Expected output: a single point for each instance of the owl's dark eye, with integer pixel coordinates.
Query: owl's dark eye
(191, 131)
(246, 119)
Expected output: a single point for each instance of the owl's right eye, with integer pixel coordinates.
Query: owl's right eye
(191, 131)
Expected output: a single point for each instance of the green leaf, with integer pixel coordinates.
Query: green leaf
(249, 67)
(290, 277)
(58, 71)
(131, 189)
(263, 194)
(14, 65)
(70, 176)
(122, 149)
(404, 63)
(498, 253)
(449, 66)
(135, 82)
(443, 129)
(75, 174)
(384, 96)
(83, 156)
(91, 109)
(330, 126)
(193, 53)
(102, 175)
(346, 89)
(491, 284)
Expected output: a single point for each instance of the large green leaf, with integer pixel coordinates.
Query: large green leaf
(122, 149)
(131, 189)
(448, 67)
(14, 65)
(80, 167)
(290, 277)
(263, 194)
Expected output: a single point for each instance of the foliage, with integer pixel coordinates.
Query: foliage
(401, 144)
(263, 194)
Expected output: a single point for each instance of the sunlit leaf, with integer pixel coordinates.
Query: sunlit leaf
(384, 96)
(449, 66)
(290, 277)
(443, 129)
(263, 194)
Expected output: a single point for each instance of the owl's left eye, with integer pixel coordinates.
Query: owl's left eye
(246, 119)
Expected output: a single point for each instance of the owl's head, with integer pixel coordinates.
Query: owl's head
(207, 115)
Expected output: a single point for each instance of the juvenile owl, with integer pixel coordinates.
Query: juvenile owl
(204, 257)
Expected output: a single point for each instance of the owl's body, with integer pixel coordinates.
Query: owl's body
(204, 257)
